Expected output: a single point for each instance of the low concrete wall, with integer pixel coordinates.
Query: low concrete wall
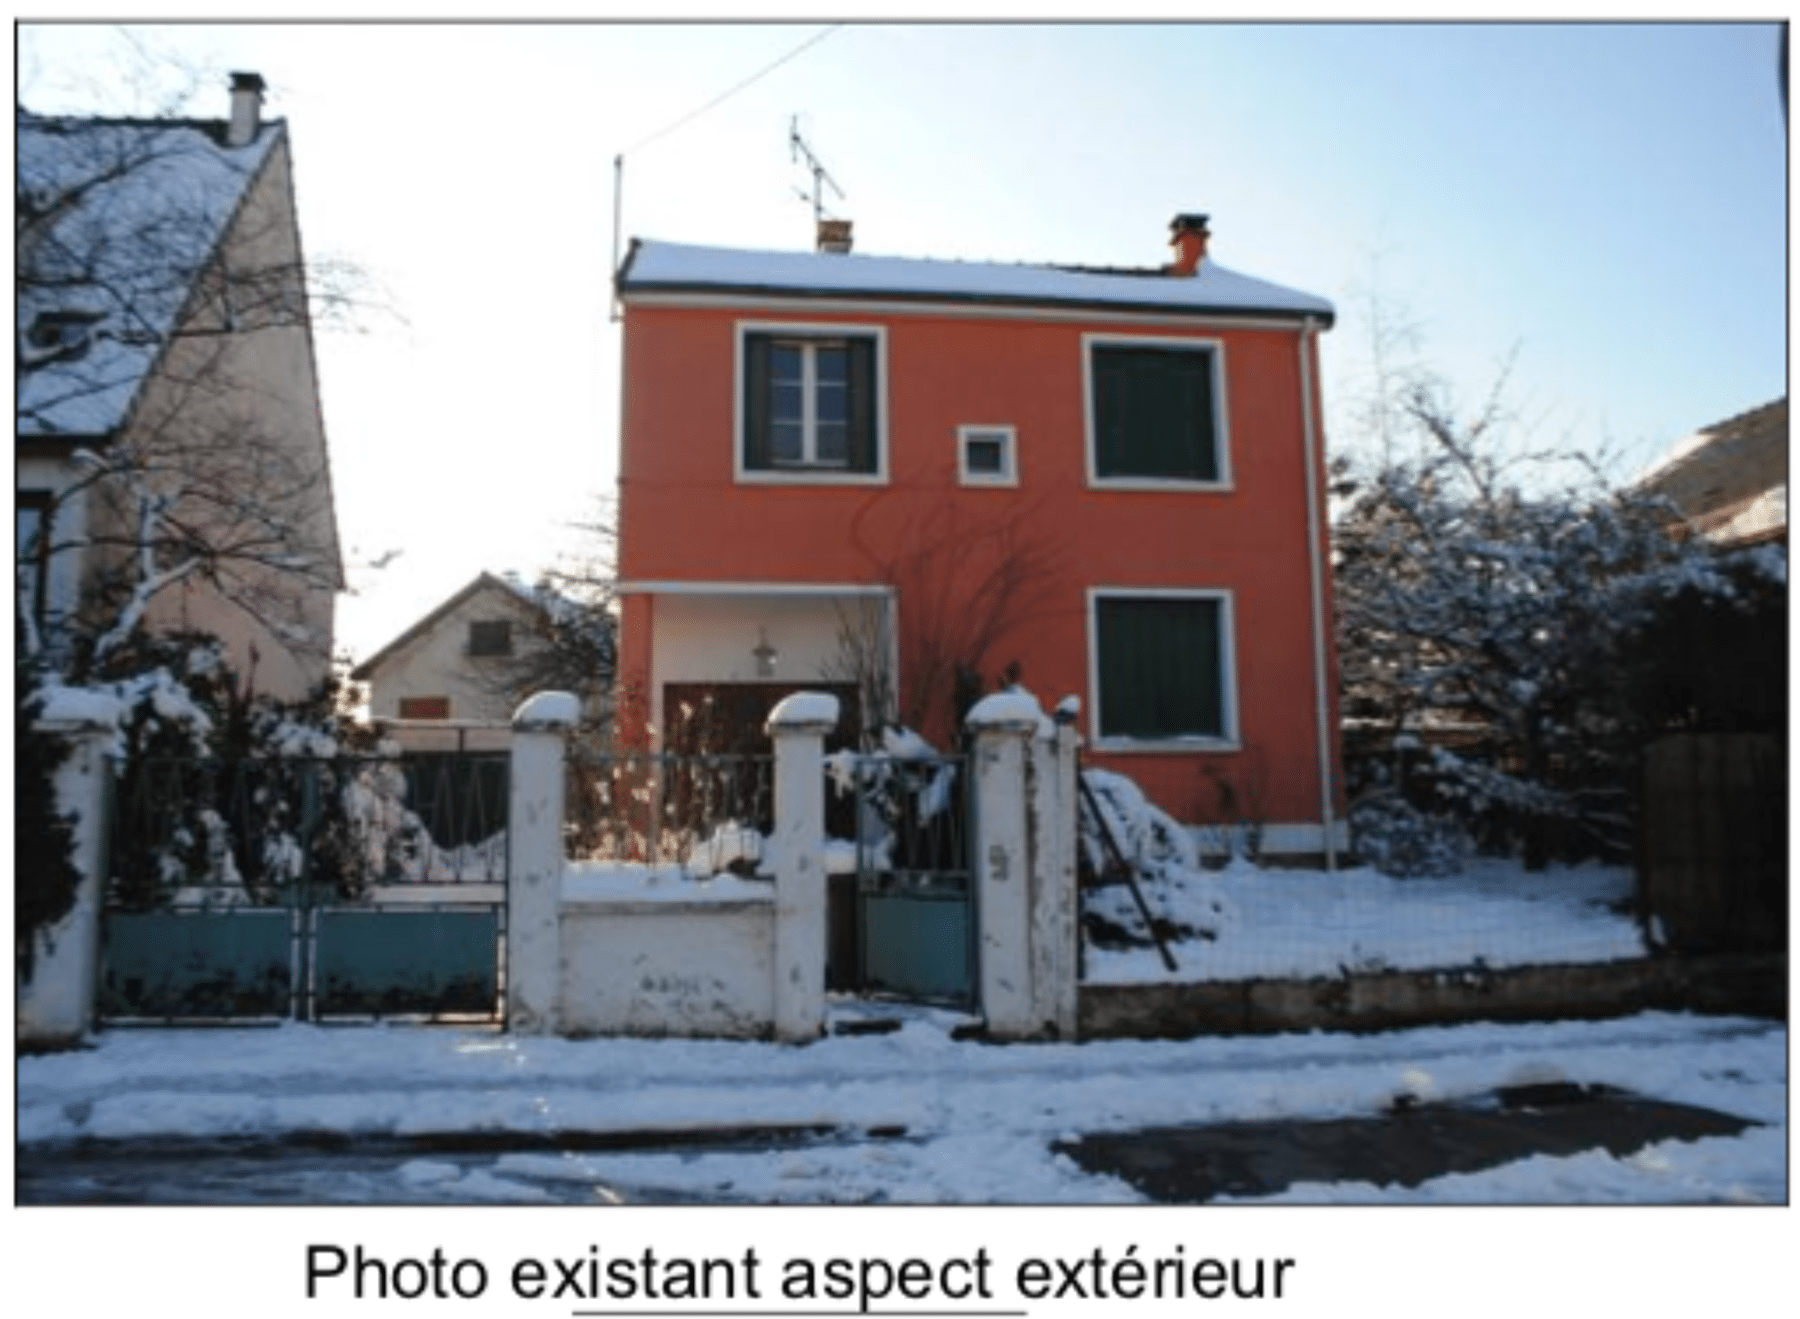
(1750, 985)
(668, 968)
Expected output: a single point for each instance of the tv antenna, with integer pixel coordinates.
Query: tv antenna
(821, 177)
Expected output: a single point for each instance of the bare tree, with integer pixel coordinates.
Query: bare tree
(965, 584)
(571, 634)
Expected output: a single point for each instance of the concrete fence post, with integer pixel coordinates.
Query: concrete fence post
(798, 726)
(534, 846)
(56, 1006)
(1054, 907)
(1003, 726)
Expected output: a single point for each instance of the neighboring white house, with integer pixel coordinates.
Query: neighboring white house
(465, 661)
(171, 467)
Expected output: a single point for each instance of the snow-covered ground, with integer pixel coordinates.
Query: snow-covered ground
(978, 1119)
(1304, 923)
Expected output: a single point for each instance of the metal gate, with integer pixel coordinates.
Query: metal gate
(311, 889)
(915, 905)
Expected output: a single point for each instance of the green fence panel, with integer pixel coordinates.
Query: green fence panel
(232, 963)
(406, 963)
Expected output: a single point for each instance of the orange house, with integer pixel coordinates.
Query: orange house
(911, 480)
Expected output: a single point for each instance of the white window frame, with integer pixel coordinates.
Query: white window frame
(1230, 739)
(1007, 435)
(808, 472)
(1221, 412)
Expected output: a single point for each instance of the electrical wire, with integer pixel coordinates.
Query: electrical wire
(726, 95)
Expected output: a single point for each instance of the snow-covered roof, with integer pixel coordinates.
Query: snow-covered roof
(117, 218)
(1729, 479)
(659, 267)
(506, 586)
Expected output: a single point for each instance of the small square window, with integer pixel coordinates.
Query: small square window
(490, 637)
(987, 455)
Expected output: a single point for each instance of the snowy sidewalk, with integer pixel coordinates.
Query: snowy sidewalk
(916, 1116)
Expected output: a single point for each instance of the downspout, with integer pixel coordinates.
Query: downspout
(1308, 337)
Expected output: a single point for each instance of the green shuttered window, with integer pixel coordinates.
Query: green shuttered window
(1162, 667)
(1155, 413)
(810, 403)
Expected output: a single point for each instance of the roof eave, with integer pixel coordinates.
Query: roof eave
(812, 293)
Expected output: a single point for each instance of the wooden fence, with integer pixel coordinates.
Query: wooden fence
(1714, 872)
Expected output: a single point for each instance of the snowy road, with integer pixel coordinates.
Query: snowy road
(916, 1116)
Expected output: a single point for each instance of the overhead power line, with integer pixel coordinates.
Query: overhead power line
(730, 92)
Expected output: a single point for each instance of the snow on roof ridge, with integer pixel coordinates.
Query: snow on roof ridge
(656, 263)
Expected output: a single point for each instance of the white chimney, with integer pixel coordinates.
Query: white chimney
(246, 109)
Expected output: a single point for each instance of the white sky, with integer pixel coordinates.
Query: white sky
(1608, 201)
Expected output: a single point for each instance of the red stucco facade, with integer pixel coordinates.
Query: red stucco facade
(1055, 535)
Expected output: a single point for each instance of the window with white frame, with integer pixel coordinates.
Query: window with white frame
(987, 455)
(810, 402)
(1155, 412)
(1162, 667)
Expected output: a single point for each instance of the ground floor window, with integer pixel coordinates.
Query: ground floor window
(1162, 666)
(424, 707)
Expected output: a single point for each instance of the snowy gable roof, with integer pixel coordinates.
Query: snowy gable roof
(114, 222)
(506, 587)
(658, 267)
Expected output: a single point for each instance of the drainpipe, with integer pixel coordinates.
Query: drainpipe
(1308, 337)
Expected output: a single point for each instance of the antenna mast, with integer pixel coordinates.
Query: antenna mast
(821, 178)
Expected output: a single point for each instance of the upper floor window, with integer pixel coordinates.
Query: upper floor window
(490, 637)
(1156, 413)
(811, 404)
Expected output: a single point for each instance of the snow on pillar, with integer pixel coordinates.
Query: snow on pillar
(797, 854)
(56, 1006)
(534, 843)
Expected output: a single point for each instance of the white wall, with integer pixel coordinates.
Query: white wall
(710, 638)
(668, 968)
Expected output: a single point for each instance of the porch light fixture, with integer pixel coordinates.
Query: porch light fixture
(765, 654)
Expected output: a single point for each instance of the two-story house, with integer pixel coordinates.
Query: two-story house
(172, 471)
(908, 479)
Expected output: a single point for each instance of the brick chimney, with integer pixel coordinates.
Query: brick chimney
(834, 236)
(246, 109)
(1188, 235)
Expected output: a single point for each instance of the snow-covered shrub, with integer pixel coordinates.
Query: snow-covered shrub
(1503, 615)
(1399, 839)
(1117, 825)
(906, 806)
(227, 796)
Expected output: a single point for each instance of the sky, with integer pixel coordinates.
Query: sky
(1595, 212)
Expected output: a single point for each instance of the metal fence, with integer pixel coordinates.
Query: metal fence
(704, 812)
(312, 888)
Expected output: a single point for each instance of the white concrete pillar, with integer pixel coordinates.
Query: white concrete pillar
(797, 857)
(1054, 904)
(534, 845)
(56, 1006)
(1004, 726)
